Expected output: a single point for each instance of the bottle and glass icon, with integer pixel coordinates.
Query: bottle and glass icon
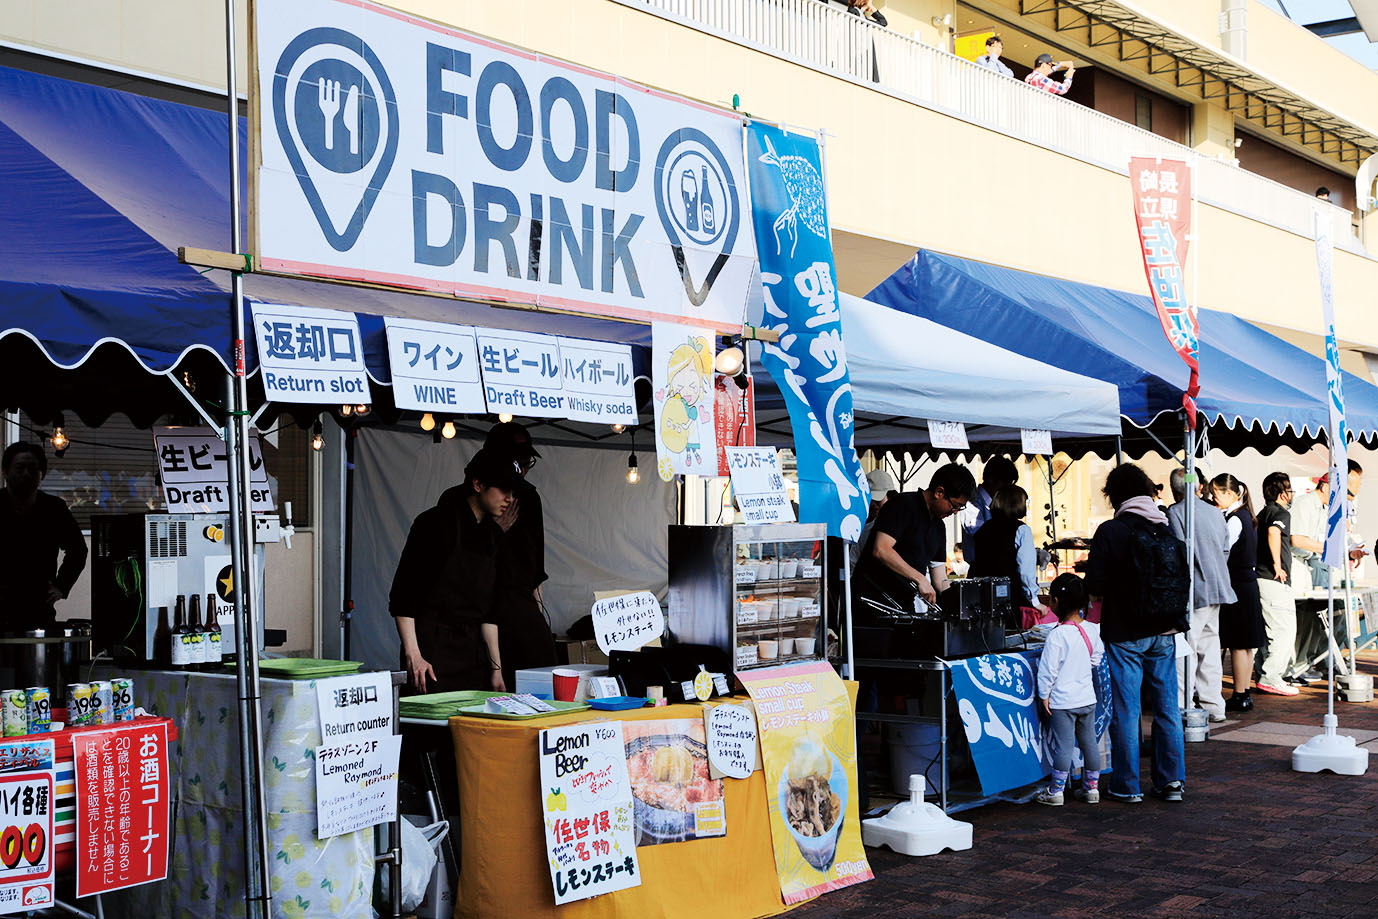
(698, 202)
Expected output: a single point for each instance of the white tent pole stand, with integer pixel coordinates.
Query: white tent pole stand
(1329, 749)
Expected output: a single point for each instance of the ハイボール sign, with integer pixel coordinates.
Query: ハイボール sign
(399, 152)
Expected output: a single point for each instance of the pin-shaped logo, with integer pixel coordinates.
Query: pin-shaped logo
(336, 116)
(697, 201)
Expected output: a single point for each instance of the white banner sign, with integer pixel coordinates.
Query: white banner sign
(759, 485)
(627, 622)
(947, 435)
(1036, 442)
(599, 385)
(309, 355)
(682, 381)
(1336, 553)
(434, 366)
(356, 706)
(404, 153)
(356, 784)
(586, 801)
(522, 373)
(195, 475)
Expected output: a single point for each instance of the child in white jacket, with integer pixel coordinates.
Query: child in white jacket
(1067, 691)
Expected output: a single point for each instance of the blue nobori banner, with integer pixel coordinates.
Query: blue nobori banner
(401, 152)
(809, 362)
(1336, 552)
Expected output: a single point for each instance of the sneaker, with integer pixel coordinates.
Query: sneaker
(1170, 792)
(1052, 799)
(1239, 703)
(1125, 799)
(1088, 795)
(1297, 680)
(1215, 717)
(1283, 690)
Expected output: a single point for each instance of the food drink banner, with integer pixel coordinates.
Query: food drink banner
(1162, 209)
(413, 155)
(682, 382)
(586, 802)
(808, 745)
(1336, 537)
(26, 825)
(809, 362)
(997, 699)
(122, 807)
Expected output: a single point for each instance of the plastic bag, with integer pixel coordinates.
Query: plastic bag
(419, 844)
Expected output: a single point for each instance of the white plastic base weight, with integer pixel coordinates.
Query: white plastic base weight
(1332, 751)
(916, 828)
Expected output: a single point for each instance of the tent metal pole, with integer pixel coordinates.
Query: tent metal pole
(1119, 450)
(258, 890)
(347, 588)
(847, 606)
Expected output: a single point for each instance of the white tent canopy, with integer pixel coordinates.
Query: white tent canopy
(906, 369)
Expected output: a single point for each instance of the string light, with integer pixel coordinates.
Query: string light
(59, 440)
(428, 422)
(362, 410)
(449, 430)
(618, 428)
(633, 474)
(317, 437)
(346, 411)
(504, 418)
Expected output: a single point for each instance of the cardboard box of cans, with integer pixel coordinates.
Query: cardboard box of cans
(29, 711)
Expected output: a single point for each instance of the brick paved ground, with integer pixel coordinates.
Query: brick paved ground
(1253, 839)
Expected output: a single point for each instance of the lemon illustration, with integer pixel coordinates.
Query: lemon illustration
(666, 469)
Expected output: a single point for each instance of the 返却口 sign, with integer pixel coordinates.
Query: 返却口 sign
(404, 153)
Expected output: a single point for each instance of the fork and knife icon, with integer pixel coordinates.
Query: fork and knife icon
(328, 98)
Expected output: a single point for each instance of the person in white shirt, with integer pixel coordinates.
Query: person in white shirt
(1067, 691)
(991, 59)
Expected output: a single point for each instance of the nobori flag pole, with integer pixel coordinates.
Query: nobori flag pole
(257, 892)
(1330, 749)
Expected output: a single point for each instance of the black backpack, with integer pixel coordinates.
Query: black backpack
(1162, 576)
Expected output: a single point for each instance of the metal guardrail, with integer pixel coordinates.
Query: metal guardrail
(826, 38)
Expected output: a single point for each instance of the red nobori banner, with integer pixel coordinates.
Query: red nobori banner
(734, 415)
(122, 807)
(1162, 210)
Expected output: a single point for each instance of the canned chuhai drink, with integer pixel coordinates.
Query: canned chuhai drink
(15, 704)
(122, 690)
(102, 703)
(79, 696)
(40, 709)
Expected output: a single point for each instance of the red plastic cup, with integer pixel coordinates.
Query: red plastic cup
(565, 684)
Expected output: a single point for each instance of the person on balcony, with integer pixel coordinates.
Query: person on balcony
(1041, 77)
(866, 9)
(991, 59)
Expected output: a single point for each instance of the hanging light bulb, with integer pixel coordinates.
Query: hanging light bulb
(449, 430)
(428, 422)
(317, 437)
(346, 411)
(59, 440)
(504, 418)
(618, 428)
(362, 410)
(633, 474)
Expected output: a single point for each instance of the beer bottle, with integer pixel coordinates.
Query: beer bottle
(162, 638)
(196, 660)
(213, 650)
(180, 657)
(706, 203)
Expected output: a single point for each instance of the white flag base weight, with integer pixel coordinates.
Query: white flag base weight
(1329, 750)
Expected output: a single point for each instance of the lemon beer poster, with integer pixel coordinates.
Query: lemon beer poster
(586, 803)
(808, 746)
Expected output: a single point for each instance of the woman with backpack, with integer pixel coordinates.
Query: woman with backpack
(1139, 571)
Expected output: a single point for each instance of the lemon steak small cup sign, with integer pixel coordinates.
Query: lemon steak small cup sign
(586, 802)
(759, 485)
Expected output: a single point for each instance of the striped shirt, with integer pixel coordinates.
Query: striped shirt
(1039, 81)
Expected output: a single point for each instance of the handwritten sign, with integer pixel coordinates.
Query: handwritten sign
(759, 485)
(310, 355)
(627, 622)
(586, 802)
(1036, 442)
(947, 435)
(193, 471)
(356, 784)
(354, 707)
(731, 740)
(434, 366)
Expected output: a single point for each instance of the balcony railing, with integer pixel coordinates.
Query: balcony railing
(828, 39)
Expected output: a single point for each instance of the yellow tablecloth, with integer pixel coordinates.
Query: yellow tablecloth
(504, 871)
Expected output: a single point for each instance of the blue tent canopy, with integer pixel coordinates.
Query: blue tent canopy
(99, 188)
(1251, 381)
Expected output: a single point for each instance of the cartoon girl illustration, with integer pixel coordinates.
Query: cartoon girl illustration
(687, 375)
